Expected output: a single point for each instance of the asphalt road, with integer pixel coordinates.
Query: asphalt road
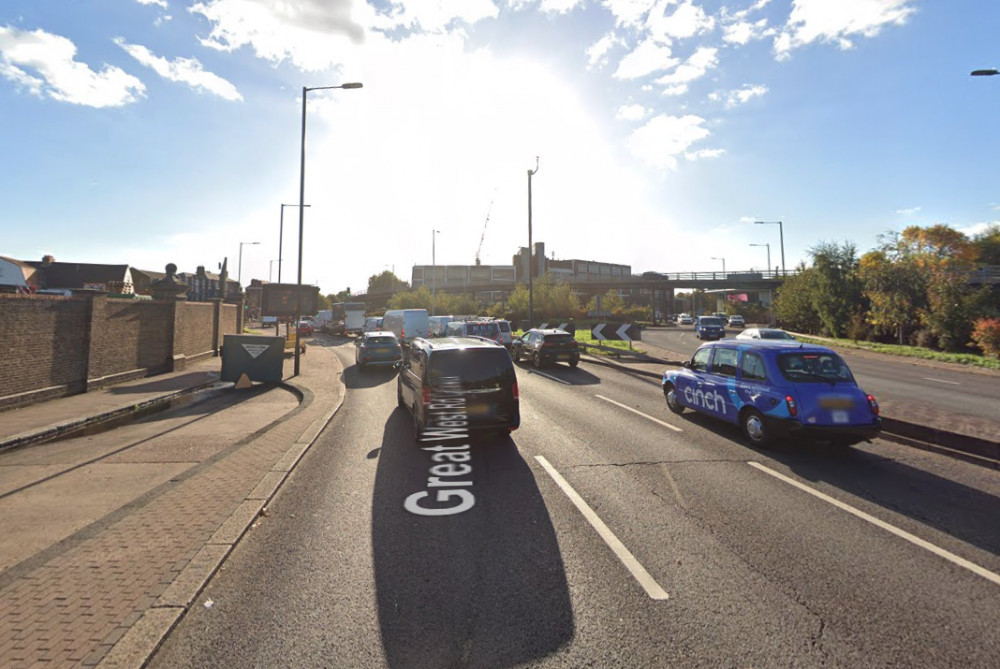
(889, 378)
(606, 532)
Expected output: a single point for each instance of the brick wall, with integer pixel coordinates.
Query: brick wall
(55, 346)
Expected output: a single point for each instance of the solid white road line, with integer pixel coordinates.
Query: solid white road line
(903, 534)
(646, 416)
(953, 383)
(640, 574)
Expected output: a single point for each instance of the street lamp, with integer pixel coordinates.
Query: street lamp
(781, 233)
(434, 283)
(270, 269)
(281, 233)
(302, 199)
(770, 303)
(768, 252)
(723, 265)
(531, 254)
(239, 270)
(984, 73)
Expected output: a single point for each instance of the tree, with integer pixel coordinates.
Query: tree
(386, 282)
(837, 289)
(895, 290)
(794, 306)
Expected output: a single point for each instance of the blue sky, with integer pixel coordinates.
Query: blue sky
(154, 131)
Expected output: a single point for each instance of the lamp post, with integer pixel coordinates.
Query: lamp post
(768, 245)
(531, 255)
(781, 236)
(270, 269)
(723, 265)
(281, 233)
(302, 199)
(434, 285)
(239, 267)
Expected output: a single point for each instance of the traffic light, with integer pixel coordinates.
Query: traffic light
(348, 291)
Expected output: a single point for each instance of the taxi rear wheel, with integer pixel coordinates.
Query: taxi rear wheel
(754, 428)
(670, 393)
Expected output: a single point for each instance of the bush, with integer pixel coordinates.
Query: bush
(986, 335)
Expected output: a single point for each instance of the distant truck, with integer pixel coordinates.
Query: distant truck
(323, 320)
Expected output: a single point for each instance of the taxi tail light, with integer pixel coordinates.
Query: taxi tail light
(426, 395)
(873, 403)
(515, 392)
(793, 408)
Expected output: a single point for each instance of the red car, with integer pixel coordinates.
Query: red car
(305, 329)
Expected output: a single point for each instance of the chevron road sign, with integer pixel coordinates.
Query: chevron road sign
(616, 332)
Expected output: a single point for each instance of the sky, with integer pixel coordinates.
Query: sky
(148, 132)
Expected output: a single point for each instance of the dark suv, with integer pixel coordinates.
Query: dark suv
(542, 347)
(455, 385)
(710, 327)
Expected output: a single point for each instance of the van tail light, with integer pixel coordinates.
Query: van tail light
(515, 391)
(793, 408)
(873, 403)
(402, 334)
(426, 395)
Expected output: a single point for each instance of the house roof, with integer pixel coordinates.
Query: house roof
(20, 275)
(76, 275)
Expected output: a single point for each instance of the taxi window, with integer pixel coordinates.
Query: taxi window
(699, 362)
(724, 361)
(752, 367)
(814, 367)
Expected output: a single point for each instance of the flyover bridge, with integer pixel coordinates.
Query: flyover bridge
(662, 283)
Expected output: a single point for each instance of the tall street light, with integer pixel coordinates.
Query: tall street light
(302, 199)
(270, 269)
(239, 270)
(281, 233)
(723, 265)
(781, 234)
(531, 254)
(434, 282)
(768, 253)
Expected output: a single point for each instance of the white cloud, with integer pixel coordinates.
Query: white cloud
(158, 3)
(700, 62)
(908, 212)
(739, 96)
(686, 21)
(743, 32)
(560, 6)
(647, 58)
(979, 228)
(631, 113)
(663, 138)
(629, 12)
(838, 22)
(704, 153)
(183, 70)
(597, 54)
(60, 75)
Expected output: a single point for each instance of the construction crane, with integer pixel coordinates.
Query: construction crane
(483, 236)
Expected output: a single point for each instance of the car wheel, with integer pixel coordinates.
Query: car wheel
(536, 360)
(574, 363)
(416, 424)
(754, 428)
(670, 393)
(399, 397)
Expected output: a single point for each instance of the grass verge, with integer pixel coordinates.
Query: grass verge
(967, 359)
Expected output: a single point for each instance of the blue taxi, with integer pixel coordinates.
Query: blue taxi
(775, 389)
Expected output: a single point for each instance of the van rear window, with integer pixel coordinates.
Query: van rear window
(474, 366)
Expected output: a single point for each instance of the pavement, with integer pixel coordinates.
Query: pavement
(103, 547)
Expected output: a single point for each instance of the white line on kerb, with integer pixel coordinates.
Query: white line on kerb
(953, 383)
(646, 416)
(551, 378)
(640, 574)
(903, 534)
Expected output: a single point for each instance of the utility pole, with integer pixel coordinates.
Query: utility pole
(531, 255)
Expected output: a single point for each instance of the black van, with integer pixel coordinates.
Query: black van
(457, 385)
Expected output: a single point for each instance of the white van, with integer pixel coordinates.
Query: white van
(406, 324)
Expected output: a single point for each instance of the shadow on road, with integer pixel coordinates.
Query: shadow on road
(482, 588)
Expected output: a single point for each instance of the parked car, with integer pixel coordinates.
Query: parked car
(376, 348)
(544, 347)
(736, 321)
(774, 389)
(458, 384)
(709, 327)
(305, 328)
(765, 333)
(685, 319)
